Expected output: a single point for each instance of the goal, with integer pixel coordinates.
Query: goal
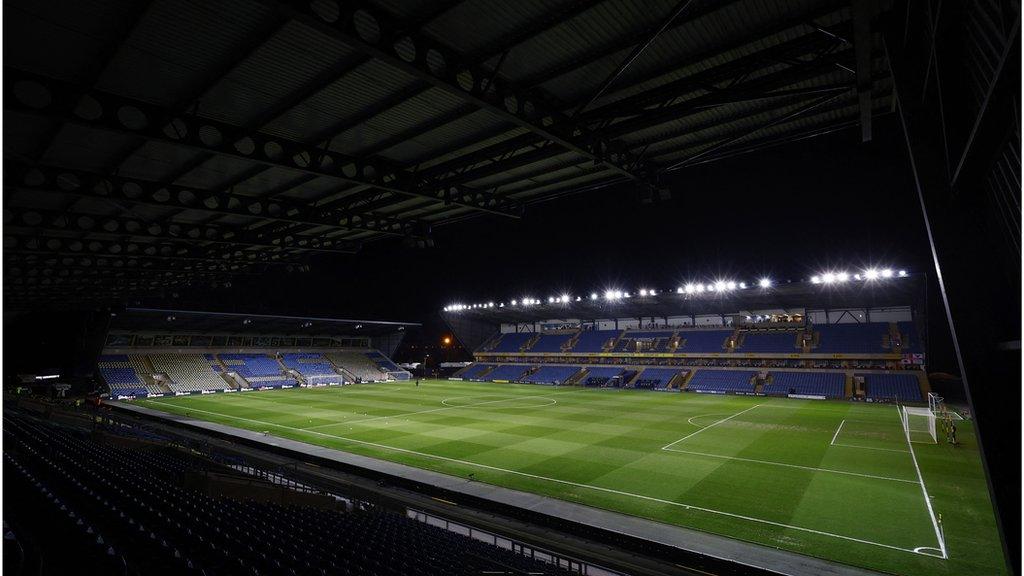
(919, 424)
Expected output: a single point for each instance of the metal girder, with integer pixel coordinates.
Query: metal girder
(639, 49)
(862, 12)
(762, 87)
(636, 104)
(40, 242)
(18, 265)
(37, 95)
(635, 38)
(133, 190)
(817, 103)
(99, 63)
(759, 88)
(373, 32)
(170, 231)
(789, 52)
(29, 262)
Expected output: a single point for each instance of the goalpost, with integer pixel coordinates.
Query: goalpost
(919, 424)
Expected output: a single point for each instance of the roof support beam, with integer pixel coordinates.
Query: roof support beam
(167, 231)
(48, 242)
(112, 266)
(862, 12)
(497, 158)
(33, 94)
(366, 28)
(133, 190)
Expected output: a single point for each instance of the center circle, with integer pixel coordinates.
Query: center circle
(477, 402)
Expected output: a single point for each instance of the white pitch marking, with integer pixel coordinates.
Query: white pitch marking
(666, 447)
(927, 499)
(690, 419)
(446, 407)
(871, 448)
(577, 484)
(836, 435)
(771, 463)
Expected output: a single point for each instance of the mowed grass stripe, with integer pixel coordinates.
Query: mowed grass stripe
(602, 448)
(562, 467)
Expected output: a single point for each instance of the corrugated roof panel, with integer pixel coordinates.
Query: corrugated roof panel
(213, 173)
(274, 179)
(659, 134)
(701, 139)
(528, 189)
(87, 149)
(577, 37)
(490, 22)
(314, 189)
(77, 32)
(24, 134)
(344, 98)
(553, 163)
(286, 62)
(180, 41)
(156, 161)
(498, 133)
(408, 114)
(665, 53)
(436, 142)
(722, 28)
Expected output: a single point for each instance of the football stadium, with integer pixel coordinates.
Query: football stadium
(479, 287)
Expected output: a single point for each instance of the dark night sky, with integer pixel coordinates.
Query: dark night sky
(787, 212)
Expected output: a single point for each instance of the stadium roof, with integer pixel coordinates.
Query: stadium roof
(204, 322)
(165, 143)
(790, 297)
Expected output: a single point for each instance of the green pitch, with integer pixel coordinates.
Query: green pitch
(835, 480)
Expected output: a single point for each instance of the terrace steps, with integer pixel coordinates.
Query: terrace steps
(574, 380)
(529, 343)
(611, 344)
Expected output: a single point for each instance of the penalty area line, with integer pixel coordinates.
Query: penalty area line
(836, 435)
(580, 485)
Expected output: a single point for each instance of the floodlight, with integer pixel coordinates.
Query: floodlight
(653, 292)
(565, 297)
(765, 283)
(643, 292)
(856, 276)
(679, 290)
(871, 274)
(828, 277)
(609, 295)
(626, 295)
(815, 280)
(501, 305)
(490, 304)
(593, 295)
(578, 298)
(887, 273)
(903, 273)
(720, 285)
(513, 302)
(551, 299)
(711, 288)
(842, 276)
(743, 285)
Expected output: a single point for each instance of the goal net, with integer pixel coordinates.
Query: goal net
(919, 424)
